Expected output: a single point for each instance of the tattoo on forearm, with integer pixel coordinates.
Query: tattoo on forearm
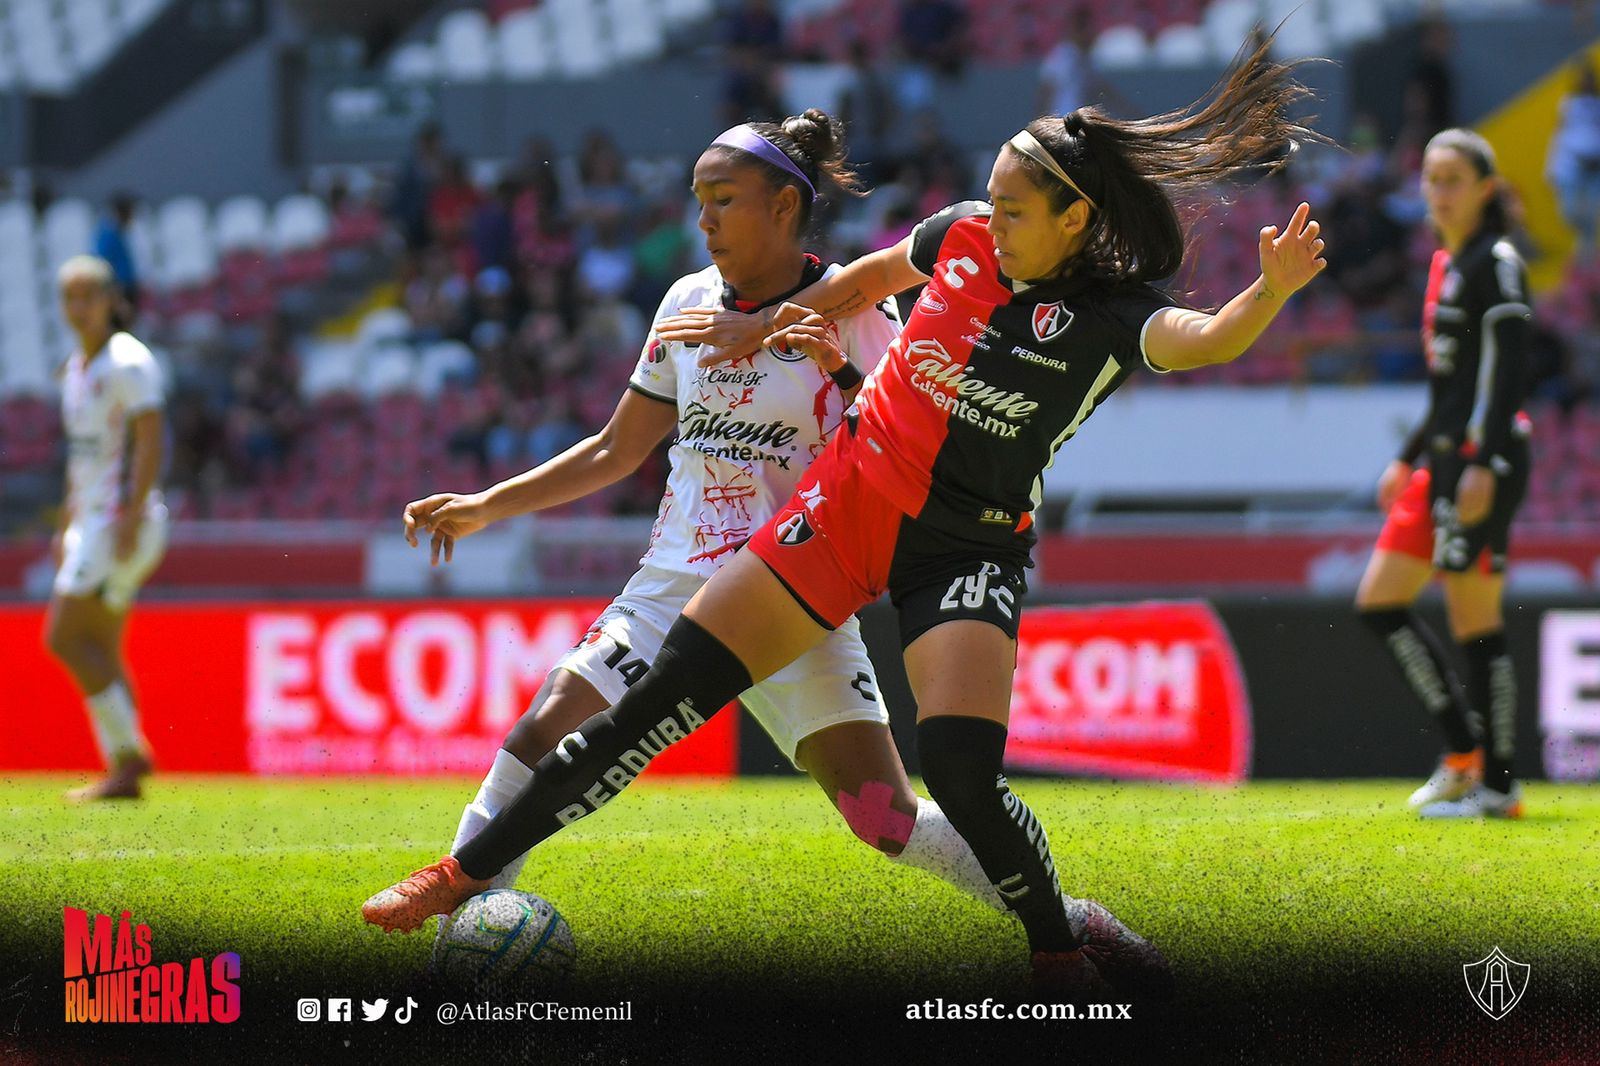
(849, 305)
(1265, 293)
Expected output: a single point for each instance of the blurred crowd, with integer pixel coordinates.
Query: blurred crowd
(548, 271)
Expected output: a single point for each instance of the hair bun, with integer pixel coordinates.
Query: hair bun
(1074, 123)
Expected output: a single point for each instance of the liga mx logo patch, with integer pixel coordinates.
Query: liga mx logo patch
(1496, 982)
(1050, 321)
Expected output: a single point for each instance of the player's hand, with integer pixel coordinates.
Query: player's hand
(1290, 259)
(1393, 482)
(126, 534)
(445, 518)
(1474, 495)
(722, 335)
(812, 336)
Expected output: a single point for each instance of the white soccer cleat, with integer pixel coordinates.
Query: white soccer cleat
(1481, 802)
(1457, 775)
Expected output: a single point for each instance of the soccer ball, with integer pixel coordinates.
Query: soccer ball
(504, 942)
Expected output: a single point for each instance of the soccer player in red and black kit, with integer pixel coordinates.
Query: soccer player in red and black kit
(1454, 515)
(1035, 310)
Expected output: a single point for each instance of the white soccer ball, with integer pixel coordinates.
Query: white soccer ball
(503, 942)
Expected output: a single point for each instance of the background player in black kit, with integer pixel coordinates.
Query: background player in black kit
(1033, 313)
(1454, 514)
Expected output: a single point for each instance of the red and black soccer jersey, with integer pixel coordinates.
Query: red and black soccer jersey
(989, 378)
(1474, 329)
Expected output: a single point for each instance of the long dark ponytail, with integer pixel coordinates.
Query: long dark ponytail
(1134, 169)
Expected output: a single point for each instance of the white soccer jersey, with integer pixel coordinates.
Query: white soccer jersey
(746, 430)
(98, 398)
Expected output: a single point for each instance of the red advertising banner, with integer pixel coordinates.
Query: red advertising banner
(1139, 690)
(316, 688)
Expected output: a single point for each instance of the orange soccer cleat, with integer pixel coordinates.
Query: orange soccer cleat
(438, 888)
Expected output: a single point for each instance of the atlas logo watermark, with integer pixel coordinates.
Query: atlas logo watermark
(1496, 982)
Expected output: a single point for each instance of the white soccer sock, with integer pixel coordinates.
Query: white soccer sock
(116, 723)
(936, 847)
(500, 786)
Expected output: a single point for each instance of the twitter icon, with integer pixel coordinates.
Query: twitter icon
(371, 1012)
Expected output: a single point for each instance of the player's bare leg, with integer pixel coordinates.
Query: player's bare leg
(1391, 584)
(961, 674)
(858, 766)
(86, 636)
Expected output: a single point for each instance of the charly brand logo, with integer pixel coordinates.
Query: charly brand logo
(1496, 982)
(112, 976)
(1050, 321)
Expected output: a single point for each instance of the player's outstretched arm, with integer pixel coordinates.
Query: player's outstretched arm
(1180, 339)
(728, 335)
(635, 428)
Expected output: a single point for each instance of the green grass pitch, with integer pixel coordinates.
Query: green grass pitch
(759, 877)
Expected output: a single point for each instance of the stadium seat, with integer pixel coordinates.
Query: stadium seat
(1120, 47)
(134, 14)
(523, 41)
(1183, 45)
(413, 62)
(385, 324)
(466, 46)
(443, 362)
(299, 222)
(635, 29)
(91, 34)
(68, 231)
(1353, 21)
(1229, 22)
(386, 368)
(328, 367)
(184, 235)
(580, 45)
(678, 12)
(241, 223)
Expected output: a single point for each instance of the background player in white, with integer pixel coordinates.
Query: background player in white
(113, 526)
(745, 433)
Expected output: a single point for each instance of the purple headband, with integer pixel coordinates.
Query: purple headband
(747, 139)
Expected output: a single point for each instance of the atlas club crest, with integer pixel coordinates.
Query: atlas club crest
(1496, 982)
(1050, 321)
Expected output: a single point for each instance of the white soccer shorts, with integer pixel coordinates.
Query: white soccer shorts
(832, 683)
(89, 563)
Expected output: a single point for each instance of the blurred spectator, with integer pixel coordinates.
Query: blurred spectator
(604, 195)
(1067, 79)
(1433, 78)
(934, 33)
(755, 27)
(450, 210)
(749, 90)
(436, 299)
(493, 229)
(266, 416)
(867, 108)
(413, 186)
(557, 431)
(111, 244)
(1574, 162)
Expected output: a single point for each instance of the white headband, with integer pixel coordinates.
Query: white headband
(1029, 145)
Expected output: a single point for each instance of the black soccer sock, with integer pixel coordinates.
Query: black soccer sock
(1492, 685)
(693, 677)
(961, 765)
(1425, 667)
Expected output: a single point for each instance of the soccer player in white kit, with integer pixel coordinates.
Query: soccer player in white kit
(113, 527)
(745, 432)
